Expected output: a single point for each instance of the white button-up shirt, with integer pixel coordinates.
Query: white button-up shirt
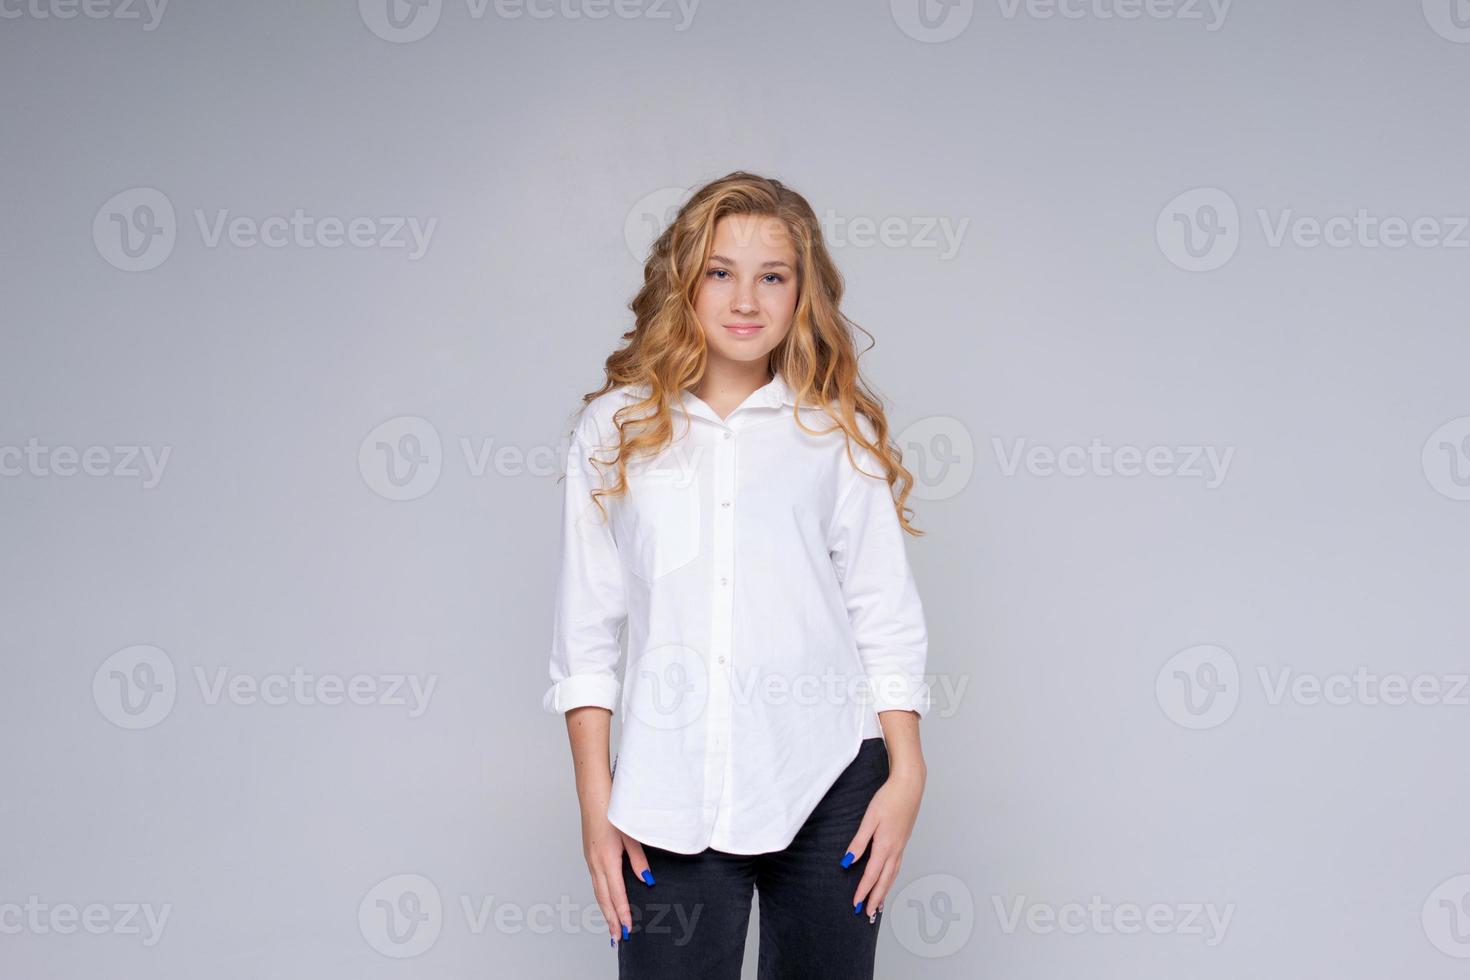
(770, 614)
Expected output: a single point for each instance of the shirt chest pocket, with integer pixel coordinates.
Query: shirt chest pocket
(663, 519)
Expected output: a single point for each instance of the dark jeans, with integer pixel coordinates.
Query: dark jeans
(691, 924)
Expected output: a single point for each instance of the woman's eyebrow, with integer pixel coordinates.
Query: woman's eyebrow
(773, 263)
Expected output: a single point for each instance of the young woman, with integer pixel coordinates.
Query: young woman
(729, 500)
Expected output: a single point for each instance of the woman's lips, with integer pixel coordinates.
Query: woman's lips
(743, 329)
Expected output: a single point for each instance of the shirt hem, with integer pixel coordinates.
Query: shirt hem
(809, 809)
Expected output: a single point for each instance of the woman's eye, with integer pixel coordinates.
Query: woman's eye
(772, 278)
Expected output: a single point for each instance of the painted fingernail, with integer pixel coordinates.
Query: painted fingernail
(611, 941)
(625, 932)
(872, 917)
(648, 876)
(847, 859)
(857, 908)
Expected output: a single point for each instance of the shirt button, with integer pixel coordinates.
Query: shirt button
(725, 503)
(727, 435)
(722, 660)
(724, 581)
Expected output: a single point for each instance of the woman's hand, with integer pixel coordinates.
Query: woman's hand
(886, 826)
(890, 817)
(603, 844)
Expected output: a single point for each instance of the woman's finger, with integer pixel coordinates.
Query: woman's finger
(859, 843)
(604, 901)
(885, 881)
(637, 859)
(618, 895)
(876, 860)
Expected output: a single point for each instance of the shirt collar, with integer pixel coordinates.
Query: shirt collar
(773, 394)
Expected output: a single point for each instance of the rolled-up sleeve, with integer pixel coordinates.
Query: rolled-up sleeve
(868, 552)
(590, 607)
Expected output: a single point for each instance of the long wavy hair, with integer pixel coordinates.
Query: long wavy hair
(666, 348)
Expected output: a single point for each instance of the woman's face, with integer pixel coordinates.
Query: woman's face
(747, 295)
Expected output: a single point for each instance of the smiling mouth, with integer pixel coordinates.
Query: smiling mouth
(743, 328)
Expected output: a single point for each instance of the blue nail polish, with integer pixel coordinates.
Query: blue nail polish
(648, 876)
(611, 941)
(625, 932)
(857, 908)
(847, 859)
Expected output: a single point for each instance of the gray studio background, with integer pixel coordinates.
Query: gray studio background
(280, 518)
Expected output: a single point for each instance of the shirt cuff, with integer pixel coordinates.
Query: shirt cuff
(580, 690)
(899, 692)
